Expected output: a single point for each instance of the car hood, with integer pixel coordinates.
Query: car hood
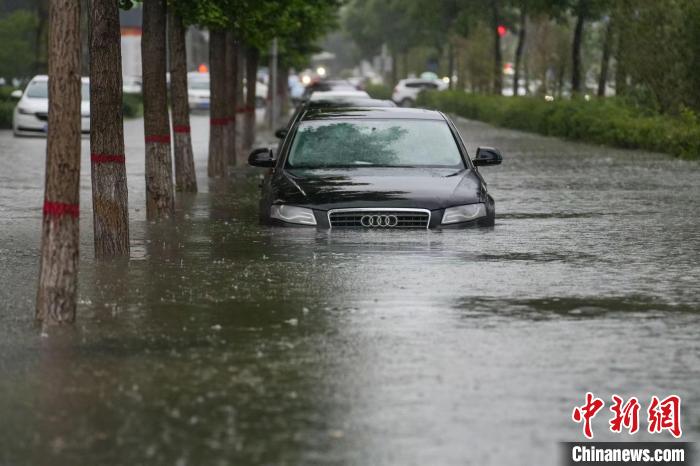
(426, 188)
(32, 104)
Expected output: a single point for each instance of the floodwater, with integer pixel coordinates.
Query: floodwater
(225, 342)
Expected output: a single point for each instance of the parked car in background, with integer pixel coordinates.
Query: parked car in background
(198, 94)
(407, 90)
(332, 100)
(31, 115)
(131, 85)
(260, 94)
(327, 85)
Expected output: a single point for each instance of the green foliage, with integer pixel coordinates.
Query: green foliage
(295, 23)
(132, 105)
(17, 31)
(600, 121)
(379, 91)
(7, 107)
(660, 51)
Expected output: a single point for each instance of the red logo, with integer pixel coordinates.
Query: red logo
(665, 415)
(626, 415)
(587, 412)
(662, 415)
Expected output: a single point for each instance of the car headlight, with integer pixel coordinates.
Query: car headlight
(293, 214)
(463, 213)
(24, 111)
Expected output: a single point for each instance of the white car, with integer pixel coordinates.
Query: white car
(131, 85)
(31, 116)
(199, 95)
(407, 90)
(198, 90)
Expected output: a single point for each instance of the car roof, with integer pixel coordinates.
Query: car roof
(389, 113)
(350, 102)
(44, 78)
(419, 80)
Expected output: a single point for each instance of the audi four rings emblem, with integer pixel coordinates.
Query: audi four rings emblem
(379, 221)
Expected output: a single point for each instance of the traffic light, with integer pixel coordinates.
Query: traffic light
(501, 29)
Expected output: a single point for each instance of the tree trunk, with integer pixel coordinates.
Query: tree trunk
(497, 57)
(231, 65)
(576, 84)
(159, 170)
(251, 62)
(283, 92)
(404, 58)
(450, 63)
(605, 60)
(239, 89)
(560, 78)
(519, 50)
(40, 37)
(109, 188)
(58, 269)
(185, 177)
(217, 163)
(394, 69)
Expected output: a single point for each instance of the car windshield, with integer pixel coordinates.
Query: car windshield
(199, 85)
(40, 90)
(385, 143)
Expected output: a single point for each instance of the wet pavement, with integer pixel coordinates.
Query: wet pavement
(224, 342)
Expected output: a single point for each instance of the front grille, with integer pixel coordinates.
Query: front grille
(379, 218)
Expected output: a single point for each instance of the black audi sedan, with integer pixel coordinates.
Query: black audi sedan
(375, 168)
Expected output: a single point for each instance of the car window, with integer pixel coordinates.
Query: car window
(356, 143)
(414, 85)
(430, 86)
(40, 90)
(199, 85)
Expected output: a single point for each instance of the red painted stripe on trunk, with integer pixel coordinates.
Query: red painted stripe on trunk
(107, 158)
(218, 121)
(59, 209)
(159, 138)
(181, 129)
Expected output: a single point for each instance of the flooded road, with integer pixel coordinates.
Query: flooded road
(224, 342)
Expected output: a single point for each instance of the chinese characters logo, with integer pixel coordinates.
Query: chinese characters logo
(662, 415)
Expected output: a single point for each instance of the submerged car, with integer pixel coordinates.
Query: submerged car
(31, 116)
(375, 168)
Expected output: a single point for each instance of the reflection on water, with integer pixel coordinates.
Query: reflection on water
(223, 341)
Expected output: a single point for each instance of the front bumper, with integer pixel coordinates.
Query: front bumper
(434, 223)
(32, 125)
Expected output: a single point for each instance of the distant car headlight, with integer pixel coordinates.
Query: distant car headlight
(293, 214)
(24, 111)
(463, 213)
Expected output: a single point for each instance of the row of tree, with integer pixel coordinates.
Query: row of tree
(648, 47)
(239, 32)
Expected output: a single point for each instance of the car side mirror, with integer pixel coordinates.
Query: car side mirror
(487, 156)
(262, 157)
(16, 94)
(281, 133)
